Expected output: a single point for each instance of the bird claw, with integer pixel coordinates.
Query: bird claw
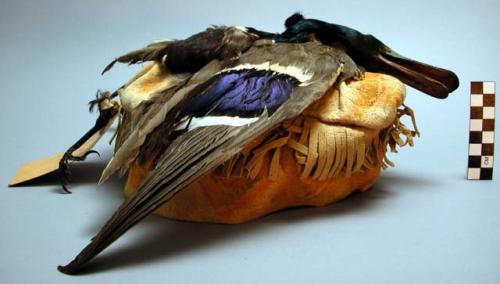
(64, 172)
(88, 153)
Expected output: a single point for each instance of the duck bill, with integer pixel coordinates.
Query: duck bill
(434, 81)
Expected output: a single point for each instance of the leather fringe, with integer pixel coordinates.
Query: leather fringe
(324, 151)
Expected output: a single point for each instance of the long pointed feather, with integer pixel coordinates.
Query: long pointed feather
(152, 52)
(194, 153)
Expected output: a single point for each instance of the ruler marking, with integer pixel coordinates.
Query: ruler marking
(481, 131)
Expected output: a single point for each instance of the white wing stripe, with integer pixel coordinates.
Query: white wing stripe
(291, 70)
(214, 120)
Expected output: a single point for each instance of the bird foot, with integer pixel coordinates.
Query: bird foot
(107, 110)
(64, 172)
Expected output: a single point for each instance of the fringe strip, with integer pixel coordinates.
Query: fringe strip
(324, 151)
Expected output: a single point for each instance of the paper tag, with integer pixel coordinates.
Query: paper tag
(39, 168)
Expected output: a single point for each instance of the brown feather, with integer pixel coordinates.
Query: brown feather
(191, 54)
(194, 153)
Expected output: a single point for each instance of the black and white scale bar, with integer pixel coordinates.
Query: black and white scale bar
(481, 130)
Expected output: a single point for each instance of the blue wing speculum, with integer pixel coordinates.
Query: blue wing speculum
(243, 93)
(240, 95)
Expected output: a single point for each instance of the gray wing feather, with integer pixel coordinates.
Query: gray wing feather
(196, 152)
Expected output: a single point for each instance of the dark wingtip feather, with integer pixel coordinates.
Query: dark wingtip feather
(71, 268)
(109, 66)
(293, 19)
(64, 269)
(90, 251)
